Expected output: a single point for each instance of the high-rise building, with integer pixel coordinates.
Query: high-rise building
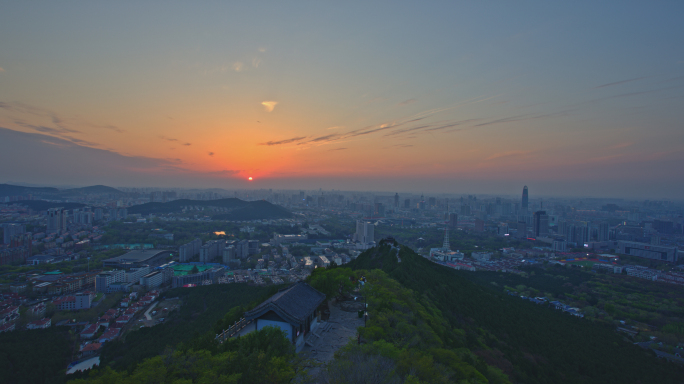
(379, 210)
(56, 220)
(603, 232)
(211, 250)
(229, 254)
(522, 229)
(407, 203)
(187, 251)
(10, 230)
(113, 214)
(396, 200)
(525, 202)
(560, 245)
(365, 232)
(664, 227)
(541, 224)
(99, 214)
(453, 220)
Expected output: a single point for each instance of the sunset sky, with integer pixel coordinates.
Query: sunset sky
(569, 98)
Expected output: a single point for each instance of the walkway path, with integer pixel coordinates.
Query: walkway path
(83, 365)
(147, 313)
(341, 330)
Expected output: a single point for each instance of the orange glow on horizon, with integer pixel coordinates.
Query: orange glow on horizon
(250, 178)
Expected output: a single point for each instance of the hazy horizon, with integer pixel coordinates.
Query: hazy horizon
(574, 100)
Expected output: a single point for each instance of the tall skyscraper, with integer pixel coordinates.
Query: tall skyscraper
(453, 220)
(396, 200)
(603, 232)
(10, 230)
(524, 201)
(522, 229)
(541, 224)
(365, 232)
(56, 220)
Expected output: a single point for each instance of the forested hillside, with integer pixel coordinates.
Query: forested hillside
(530, 343)
(203, 307)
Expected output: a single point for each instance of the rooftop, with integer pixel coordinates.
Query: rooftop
(137, 255)
(293, 304)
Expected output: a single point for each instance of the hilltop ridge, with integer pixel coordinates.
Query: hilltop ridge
(236, 209)
(530, 343)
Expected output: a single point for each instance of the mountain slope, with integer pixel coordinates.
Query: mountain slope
(16, 190)
(93, 190)
(531, 343)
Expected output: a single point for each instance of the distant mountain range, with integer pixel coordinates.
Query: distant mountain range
(93, 190)
(237, 209)
(52, 193)
(17, 190)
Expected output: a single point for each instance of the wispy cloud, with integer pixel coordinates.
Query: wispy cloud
(255, 62)
(338, 149)
(238, 66)
(505, 155)
(224, 172)
(211, 153)
(1, 69)
(187, 144)
(262, 49)
(407, 102)
(621, 82)
(114, 128)
(64, 123)
(621, 145)
(269, 105)
(286, 141)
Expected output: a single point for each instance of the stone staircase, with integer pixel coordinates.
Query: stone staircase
(313, 337)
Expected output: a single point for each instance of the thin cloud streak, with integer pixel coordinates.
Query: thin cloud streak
(621, 82)
(286, 141)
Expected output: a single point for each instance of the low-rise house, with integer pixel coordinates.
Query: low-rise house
(91, 349)
(40, 324)
(109, 335)
(8, 327)
(8, 314)
(37, 310)
(89, 331)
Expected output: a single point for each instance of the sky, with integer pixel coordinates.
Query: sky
(577, 98)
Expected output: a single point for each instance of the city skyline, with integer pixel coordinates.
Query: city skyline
(451, 98)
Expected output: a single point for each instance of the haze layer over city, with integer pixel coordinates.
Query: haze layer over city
(341, 193)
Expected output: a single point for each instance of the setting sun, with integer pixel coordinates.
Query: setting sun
(250, 178)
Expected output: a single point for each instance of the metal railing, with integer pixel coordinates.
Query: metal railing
(233, 330)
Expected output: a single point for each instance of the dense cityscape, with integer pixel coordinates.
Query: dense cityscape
(103, 265)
